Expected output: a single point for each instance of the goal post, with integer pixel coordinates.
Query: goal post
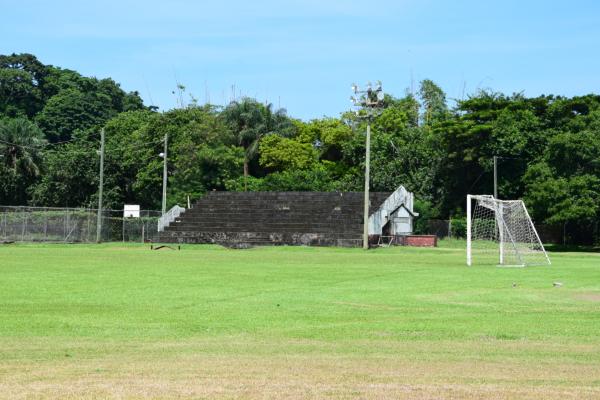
(469, 257)
(501, 232)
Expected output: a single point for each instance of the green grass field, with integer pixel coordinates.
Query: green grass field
(121, 321)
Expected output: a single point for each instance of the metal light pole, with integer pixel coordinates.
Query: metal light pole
(495, 177)
(367, 182)
(100, 189)
(367, 102)
(164, 186)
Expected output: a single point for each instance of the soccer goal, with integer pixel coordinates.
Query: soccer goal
(501, 232)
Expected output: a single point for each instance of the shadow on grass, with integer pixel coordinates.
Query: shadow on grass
(563, 248)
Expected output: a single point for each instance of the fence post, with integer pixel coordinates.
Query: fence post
(45, 224)
(87, 231)
(67, 226)
(23, 224)
(100, 188)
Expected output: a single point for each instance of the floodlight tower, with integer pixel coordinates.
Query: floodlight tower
(368, 104)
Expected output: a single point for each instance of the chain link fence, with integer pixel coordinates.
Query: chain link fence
(563, 234)
(74, 225)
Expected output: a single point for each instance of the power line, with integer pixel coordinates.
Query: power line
(37, 148)
(41, 146)
(19, 145)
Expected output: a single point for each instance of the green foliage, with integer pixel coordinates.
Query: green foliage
(327, 136)
(318, 179)
(250, 121)
(562, 199)
(20, 144)
(281, 153)
(564, 186)
(61, 101)
(426, 212)
(459, 227)
(203, 155)
(70, 178)
(22, 79)
(548, 147)
(433, 100)
(71, 111)
(408, 157)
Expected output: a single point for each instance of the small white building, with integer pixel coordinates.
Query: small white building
(395, 216)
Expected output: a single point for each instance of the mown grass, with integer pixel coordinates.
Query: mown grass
(89, 310)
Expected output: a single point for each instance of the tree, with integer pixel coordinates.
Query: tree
(73, 111)
(26, 86)
(483, 126)
(82, 104)
(282, 153)
(70, 178)
(205, 154)
(563, 187)
(20, 146)
(250, 121)
(22, 79)
(433, 100)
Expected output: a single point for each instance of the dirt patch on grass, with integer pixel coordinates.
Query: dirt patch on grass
(367, 305)
(589, 297)
(146, 376)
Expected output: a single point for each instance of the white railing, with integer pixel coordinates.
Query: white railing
(169, 217)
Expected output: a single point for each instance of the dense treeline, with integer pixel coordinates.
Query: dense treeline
(50, 118)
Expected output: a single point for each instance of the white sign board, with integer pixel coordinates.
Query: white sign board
(131, 211)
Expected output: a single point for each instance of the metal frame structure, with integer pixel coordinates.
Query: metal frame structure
(524, 244)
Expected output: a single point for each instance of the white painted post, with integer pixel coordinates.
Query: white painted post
(500, 222)
(469, 230)
(536, 233)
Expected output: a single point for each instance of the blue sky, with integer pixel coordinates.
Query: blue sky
(304, 55)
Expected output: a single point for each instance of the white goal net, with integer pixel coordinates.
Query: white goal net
(501, 232)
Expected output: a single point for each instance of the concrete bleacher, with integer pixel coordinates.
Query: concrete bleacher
(242, 219)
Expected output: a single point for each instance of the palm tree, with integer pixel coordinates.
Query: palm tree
(20, 142)
(250, 121)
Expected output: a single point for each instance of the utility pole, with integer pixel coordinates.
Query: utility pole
(164, 187)
(500, 212)
(367, 102)
(100, 189)
(495, 177)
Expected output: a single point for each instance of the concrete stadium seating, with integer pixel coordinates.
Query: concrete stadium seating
(243, 219)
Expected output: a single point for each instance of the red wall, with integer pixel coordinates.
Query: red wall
(418, 240)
